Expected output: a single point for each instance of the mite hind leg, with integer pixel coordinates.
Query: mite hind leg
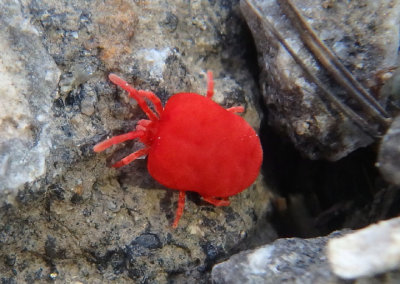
(179, 210)
(210, 84)
(217, 201)
(236, 109)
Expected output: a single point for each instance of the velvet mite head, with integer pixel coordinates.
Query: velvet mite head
(193, 144)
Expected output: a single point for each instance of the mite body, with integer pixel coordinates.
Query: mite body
(193, 144)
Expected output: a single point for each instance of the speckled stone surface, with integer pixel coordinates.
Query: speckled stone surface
(356, 254)
(289, 260)
(363, 36)
(73, 218)
(28, 84)
(319, 260)
(389, 153)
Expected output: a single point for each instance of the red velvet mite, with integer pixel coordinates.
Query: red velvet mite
(193, 144)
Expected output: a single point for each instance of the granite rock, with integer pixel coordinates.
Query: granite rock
(28, 83)
(366, 256)
(73, 218)
(290, 260)
(364, 37)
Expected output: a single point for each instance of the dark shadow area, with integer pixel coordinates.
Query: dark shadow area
(315, 198)
(318, 197)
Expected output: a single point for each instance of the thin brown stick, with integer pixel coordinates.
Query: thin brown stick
(326, 57)
(357, 119)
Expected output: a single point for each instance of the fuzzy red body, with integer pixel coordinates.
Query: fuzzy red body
(200, 146)
(193, 144)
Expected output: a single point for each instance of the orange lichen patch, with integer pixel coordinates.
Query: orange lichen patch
(78, 189)
(114, 22)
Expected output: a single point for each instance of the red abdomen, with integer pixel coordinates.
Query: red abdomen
(199, 146)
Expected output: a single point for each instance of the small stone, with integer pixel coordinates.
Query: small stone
(87, 105)
(170, 22)
(113, 206)
(149, 241)
(366, 252)
(10, 260)
(53, 275)
(291, 260)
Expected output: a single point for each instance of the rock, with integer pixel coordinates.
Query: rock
(342, 255)
(28, 82)
(388, 160)
(366, 252)
(75, 218)
(149, 241)
(389, 153)
(358, 35)
(290, 260)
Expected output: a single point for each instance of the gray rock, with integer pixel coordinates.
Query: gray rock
(284, 261)
(365, 39)
(367, 256)
(75, 218)
(366, 252)
(389, 153)
(28, 82)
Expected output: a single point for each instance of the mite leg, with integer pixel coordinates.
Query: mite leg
(144, 122)
(116, 140)
(131, 158)
(237, 109)
(210, 85)
(217, 202)
(133, 93)
(154, 99)
(142, 125)
(179, 210)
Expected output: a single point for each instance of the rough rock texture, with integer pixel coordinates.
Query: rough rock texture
(74, 218)
(367, 252)
(296, 260)
(365, 38)
(285, 260)
(28, 82)
(389, 153)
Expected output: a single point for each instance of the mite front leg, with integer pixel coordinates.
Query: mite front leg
(154, 99)
(131, 158)
(117, 139)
